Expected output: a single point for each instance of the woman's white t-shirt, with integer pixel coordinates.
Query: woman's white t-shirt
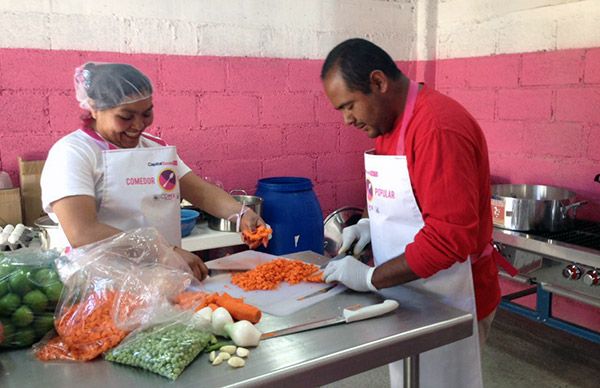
(75, 167)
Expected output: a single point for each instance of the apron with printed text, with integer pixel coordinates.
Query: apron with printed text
(141, 189)
(395, 219)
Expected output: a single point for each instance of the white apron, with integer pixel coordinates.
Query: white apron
(395, 219)
(140, 189)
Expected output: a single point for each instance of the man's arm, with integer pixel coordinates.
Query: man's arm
(392, 273)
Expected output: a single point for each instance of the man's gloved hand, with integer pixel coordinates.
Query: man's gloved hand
(361, 231)
(351, 272)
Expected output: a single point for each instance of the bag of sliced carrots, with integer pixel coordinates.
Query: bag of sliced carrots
(119, 285)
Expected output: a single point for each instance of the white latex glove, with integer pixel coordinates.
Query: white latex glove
(360, 231)
(351, 272)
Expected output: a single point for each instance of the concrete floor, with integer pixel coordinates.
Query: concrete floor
(519, 353)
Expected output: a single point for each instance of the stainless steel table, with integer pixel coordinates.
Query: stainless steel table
(304, 359)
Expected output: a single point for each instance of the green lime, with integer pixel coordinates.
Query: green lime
(5, 269)
(19, 282)
(53, 291)
(3, 287)
(22, 316)
(45, 277)
(36, 300)
(9, 303)
(23, 338)
(9, 330)
(43, 324)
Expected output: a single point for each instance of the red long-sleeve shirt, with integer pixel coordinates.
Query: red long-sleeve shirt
(449, 171)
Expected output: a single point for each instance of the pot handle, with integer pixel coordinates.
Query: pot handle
(564, 210)
(597, 178)
(238, 191)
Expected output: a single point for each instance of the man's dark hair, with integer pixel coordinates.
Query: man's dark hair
(356, 59)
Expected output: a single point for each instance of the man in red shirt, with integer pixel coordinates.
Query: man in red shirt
(428, 186)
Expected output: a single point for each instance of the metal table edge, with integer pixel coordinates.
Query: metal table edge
(292, 373)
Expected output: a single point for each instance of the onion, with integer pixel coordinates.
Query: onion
(243, 333)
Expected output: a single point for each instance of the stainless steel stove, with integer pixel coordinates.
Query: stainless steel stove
(565, 263)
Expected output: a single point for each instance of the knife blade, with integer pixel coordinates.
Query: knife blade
(349, 315)
(318, 292)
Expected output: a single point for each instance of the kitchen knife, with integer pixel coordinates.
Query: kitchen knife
(349, 315)
(318, 292)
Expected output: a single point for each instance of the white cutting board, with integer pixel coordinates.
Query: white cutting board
(281, 301)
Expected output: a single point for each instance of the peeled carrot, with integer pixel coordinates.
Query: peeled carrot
(238, 309)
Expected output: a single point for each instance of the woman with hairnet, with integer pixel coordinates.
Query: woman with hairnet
(110, 176)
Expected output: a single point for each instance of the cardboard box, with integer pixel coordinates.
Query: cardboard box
(10, 206)
(30, 172)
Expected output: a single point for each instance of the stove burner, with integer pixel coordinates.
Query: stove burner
(583, 233)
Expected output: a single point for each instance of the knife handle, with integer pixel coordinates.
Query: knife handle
(371, 311)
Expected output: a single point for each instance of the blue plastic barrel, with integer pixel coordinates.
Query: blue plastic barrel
(292, 210)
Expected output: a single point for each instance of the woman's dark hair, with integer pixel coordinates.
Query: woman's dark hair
(356, 59)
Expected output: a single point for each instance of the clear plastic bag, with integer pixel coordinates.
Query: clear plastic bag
(113, 287)
(29, 291)
(165, 348)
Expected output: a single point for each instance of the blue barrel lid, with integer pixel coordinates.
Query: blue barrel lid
(285, 184)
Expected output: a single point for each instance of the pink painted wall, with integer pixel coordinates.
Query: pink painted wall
(540, 113)
(239, 119)
(233, 119)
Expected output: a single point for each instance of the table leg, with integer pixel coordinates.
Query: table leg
(411, 371)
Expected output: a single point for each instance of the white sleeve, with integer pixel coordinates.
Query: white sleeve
(182, 168)
(68, 171)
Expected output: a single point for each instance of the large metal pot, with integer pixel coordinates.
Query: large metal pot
(229, 225)
(51, 236)
(533, 207)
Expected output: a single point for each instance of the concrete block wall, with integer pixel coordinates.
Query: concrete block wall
(237, 83)
(234, 120)
(238, 89)
(539, 115)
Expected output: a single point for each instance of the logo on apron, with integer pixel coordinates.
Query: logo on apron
(167, 179)
(369, 190)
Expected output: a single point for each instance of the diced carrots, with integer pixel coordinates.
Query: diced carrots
(255, 238)
(86, 329)
(267, 276)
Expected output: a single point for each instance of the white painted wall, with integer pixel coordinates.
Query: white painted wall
(260, 28)
(468, 28)
(407, 29)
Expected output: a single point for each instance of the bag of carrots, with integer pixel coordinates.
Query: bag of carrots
(120, 284)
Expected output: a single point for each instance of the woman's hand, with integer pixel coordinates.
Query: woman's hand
(195, 263)
(249, 222)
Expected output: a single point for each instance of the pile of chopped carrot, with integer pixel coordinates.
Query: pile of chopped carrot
(267, 276)
(236, 307)
(85, 330)
(254, 238)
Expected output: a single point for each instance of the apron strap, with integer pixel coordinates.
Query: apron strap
(409, 106)
(500, 260)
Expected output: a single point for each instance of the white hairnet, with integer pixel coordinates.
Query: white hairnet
(101, 86)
